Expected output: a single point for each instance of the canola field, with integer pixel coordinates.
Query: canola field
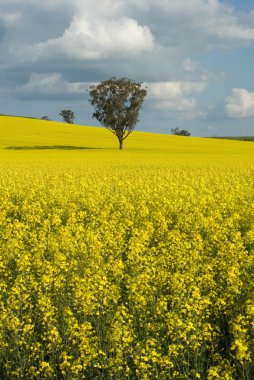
(134, 264)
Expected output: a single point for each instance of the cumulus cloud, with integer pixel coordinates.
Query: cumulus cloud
(51, 86)
(121, 28)
(175, 95)
(240, 103)
(175, 89)
(87, 39)
(212, 23)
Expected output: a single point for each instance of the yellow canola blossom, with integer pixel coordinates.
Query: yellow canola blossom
(130, 265)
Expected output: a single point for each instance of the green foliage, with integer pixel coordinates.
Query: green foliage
(68, 116)
(180, 132)
(117, 103)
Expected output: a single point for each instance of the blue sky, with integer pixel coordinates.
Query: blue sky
(195, 57)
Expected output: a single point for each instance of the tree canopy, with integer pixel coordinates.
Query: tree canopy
(180, 132)
(68, 116)
(117, 103)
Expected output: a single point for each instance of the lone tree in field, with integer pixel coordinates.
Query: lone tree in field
(117, 103)
(68, 116)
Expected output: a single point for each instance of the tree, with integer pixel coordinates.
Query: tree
(117, 103)
(68, 116)
(45, 118)
(180, 132)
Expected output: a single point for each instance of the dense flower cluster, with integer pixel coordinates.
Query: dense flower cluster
(127, 272)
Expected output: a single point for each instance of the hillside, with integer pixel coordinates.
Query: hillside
(124, 265)
(37, 139)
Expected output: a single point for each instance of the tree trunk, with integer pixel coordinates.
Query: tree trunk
(120, 144)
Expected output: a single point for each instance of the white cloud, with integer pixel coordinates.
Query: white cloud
(96, 39)
(196, 25)
(126, 28)
(211, 22)
(97, 30)
(51, 85)
(240, 103)
(175, 89)
(178, 105)
(174, 95)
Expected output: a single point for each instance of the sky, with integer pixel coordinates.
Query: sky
(194, 56)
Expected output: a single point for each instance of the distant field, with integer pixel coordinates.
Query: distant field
(240, 138)
(40, 140)
(134, 264)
